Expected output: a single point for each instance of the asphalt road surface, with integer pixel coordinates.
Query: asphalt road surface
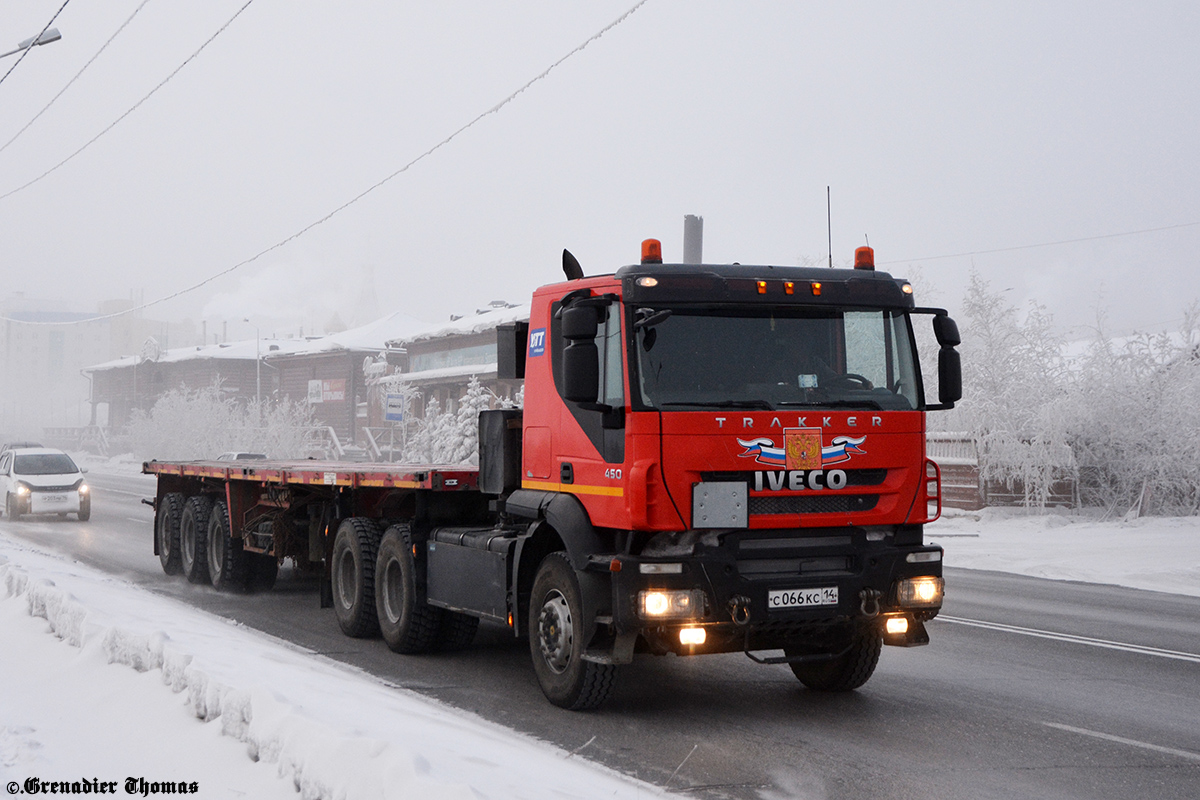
(1029, 689)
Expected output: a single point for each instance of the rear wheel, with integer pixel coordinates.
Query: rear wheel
(354, 553)
(407, 623)
(193, 535)
(849, 670)
(556, 640)
(456, 632)
(166, 532)
(226, 561)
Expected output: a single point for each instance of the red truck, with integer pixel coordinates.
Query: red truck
(710, 459)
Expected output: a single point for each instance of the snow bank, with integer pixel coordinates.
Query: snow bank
(274, 719)
(1154, 553)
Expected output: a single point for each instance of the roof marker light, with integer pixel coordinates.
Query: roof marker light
(651, 251)
(762, 287)
(789, 287)
(647, 282)
(816, 289)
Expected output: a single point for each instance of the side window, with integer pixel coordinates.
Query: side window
(608, 340)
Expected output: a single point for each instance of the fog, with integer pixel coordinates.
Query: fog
(946, 132)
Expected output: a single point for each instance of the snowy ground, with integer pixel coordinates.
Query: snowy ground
(94, 687)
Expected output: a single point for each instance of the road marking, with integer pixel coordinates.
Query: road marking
(1121, 740)
(1067, 637)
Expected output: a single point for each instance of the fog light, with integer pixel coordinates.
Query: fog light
(897, 626)
(691, 636)
(671, 604)
(924, 592)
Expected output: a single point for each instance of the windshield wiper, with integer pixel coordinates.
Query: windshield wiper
(762, 404)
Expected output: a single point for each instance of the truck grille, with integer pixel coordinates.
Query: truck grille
(809, 504)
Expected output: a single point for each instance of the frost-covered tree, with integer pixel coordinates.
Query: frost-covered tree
(1015, 402)
(202, 423)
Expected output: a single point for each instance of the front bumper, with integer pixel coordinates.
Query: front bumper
(765, 590)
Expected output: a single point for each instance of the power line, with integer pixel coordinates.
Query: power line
(1044, 244)
(35, 39)
(135, 106)
(77, 74)
(494, 109)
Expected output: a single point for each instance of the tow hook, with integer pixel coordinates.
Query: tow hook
(869, 607)
(739, 609)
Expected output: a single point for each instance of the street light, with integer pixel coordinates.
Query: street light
(51, 35)
(257, 364)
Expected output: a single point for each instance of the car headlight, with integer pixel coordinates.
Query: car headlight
(671, 603)
(83, 489)
(923, 592)
(23, 490)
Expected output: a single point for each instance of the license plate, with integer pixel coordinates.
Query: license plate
(53, 499)
(801, 598)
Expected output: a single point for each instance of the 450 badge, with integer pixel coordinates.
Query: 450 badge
(802, 458)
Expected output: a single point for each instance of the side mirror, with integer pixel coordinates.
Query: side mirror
(949, 375)
(946, 331)
(581, 357)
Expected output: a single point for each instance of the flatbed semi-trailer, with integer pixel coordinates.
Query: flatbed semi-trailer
(710, 459)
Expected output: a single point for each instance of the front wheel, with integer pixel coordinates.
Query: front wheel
(10, 508)
(556, 628)
(851, 668)
(85, 509)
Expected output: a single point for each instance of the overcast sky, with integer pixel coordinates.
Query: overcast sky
(942, 128)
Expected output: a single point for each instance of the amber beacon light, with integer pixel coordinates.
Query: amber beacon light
(651, 251)
(864, 258)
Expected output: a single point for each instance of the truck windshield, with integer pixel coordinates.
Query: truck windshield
(770, 358)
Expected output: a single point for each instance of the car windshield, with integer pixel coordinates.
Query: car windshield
(44, 464)
(772, 358)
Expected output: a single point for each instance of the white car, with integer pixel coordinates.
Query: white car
(39, 480)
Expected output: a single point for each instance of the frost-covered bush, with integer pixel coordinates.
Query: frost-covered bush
(1136, 426)
(203, 423)
(452, 437)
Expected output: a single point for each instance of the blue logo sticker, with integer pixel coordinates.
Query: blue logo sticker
(537, 342)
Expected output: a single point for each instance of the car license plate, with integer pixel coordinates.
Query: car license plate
(801, 598)
(53, 499)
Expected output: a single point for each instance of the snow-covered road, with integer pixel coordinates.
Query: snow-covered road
(94, 689)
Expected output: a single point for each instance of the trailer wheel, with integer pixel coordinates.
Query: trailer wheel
(263, 569)
(193, 536)
(226, 560)
(846, 672)
(166, 532)
(354, 553)
(555, 620)
(408, 624)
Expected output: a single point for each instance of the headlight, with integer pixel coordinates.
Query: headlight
(924, 592)
(22, 490)
(83, 488)
(671, 604)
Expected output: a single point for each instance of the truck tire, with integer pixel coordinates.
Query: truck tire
(555, 616)
(226, 560)
(166, 532)
(355, 549)
(407, 623)
(846, 672)
(193, 536)
(456, 632)
(264, 570)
